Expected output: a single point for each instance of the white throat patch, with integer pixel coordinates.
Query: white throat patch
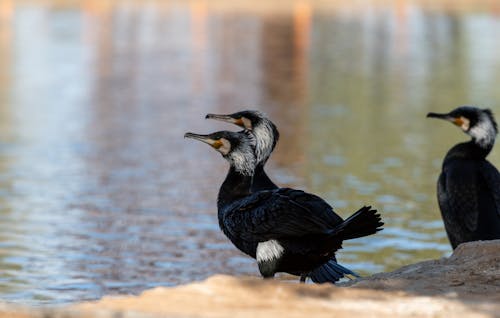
(225, 146)
(243, 160)
(269, 250)
(483, 132)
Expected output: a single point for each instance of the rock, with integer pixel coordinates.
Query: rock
(467, 284)
(471, 273)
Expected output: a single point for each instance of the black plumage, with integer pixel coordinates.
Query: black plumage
(286, 230)
(468, 187)
(264, 134)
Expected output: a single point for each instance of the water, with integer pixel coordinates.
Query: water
(99, 192)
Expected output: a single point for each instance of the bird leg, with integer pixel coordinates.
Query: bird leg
(303, 278)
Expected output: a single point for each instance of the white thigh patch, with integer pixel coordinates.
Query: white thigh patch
(269, 250)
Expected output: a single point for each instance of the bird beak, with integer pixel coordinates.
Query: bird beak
(204, 138)
(226, 118)
(455, 120)
(440, 116)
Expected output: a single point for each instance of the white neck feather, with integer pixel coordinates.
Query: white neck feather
(483, 132)
(243, 161)
(264, 138)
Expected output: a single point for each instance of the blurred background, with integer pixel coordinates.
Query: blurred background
(99, 192)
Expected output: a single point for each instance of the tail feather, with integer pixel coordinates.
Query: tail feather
(330, 272)
(362, 223)
(320, 276)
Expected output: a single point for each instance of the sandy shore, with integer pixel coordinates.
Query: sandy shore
(467, 284)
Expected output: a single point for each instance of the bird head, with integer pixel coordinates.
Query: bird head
(235, 147)
(246, 119)
(476, 122)
(256, 123)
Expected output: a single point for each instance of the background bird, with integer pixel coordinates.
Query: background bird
(468, 188)
(286, 230)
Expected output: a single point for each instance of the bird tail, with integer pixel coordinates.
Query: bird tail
(364, 222)
(330, 272)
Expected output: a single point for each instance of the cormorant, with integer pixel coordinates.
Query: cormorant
(265, 134)
(468, 188)
(286, 230)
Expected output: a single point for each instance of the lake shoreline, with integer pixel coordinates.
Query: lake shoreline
(466, 284)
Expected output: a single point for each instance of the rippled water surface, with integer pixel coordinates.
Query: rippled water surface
(99, 192)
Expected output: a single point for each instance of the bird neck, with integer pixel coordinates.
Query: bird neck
(261, 180)
(484, 132)
(266, 136)
(468, 150)
(235, 186)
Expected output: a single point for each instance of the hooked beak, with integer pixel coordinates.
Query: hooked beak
(458, 121)
(203, 138)
(440, 116)
(226, 118)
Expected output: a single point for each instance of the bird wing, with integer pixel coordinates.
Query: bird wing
(491, 178)
(272, 214)
(460, 202)
(313, 202)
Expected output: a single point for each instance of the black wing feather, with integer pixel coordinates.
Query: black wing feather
(491, 178)
(458, 197)
(469, 198)
(274, 214)
(313, 202)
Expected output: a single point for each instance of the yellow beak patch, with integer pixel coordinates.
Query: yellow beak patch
(217, 144)
(458, 121)
(239, 122)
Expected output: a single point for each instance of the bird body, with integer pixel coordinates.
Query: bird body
(264, 135)
(286, 230)
(468, 187)
(469, 196)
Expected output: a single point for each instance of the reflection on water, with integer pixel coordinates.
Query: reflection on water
(99, 193)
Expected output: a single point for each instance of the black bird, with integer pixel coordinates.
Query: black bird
(265, 135)
(286, 230)
(468, 188)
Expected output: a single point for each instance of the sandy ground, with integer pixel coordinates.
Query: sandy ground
(467, 284)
